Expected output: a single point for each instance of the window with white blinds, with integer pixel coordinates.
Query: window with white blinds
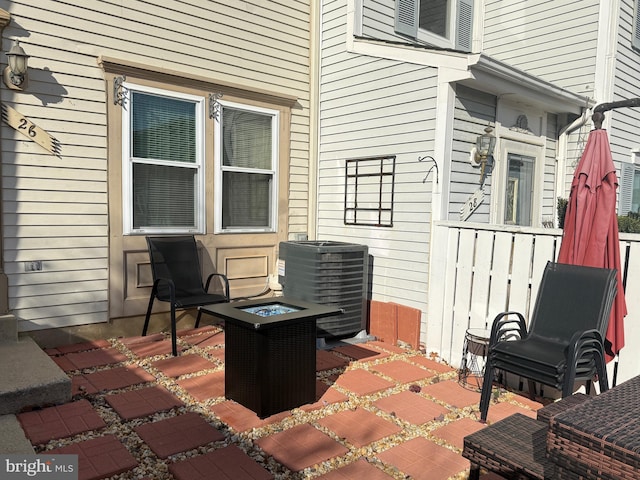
(247, 157)
(163, 162)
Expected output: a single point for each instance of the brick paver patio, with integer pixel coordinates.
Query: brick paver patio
(381, 412)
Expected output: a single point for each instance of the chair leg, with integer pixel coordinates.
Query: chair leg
(148, 316)
(174, 333)
(485, 396)
(198, 318)
(474, 473)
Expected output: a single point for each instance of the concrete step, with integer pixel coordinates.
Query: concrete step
(8, 328)
(29, 378)
(13, 440)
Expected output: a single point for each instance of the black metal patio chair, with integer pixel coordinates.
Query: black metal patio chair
(177, 279)
(564, 341)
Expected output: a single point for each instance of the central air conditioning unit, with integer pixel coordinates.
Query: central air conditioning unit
(328, 273)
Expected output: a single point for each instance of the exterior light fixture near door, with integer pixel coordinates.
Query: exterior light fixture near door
(15, 73)
(482, 154)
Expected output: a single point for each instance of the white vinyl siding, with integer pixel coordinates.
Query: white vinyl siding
(474, 110)
(56, 209)
(374, 107)
(556, 41)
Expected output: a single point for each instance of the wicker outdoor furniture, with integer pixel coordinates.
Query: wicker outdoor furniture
(579, 437)
(270, 352)
(600, 438)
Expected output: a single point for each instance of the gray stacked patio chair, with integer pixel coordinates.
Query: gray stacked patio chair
(564, 341)
(177, 279)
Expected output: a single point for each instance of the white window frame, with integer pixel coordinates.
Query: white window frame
(407, 22)
(128, 161)
(501, 170)
(220, 168)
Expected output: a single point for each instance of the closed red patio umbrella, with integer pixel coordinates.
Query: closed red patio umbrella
(591, 225)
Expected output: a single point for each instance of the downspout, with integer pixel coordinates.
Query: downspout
(5, 18)
(561, 159)
(314, 118)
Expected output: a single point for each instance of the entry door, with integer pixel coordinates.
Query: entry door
(517, 184)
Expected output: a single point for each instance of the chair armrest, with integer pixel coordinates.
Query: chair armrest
(225, 283)
(170, 285)
(506, 327)
(584, 342)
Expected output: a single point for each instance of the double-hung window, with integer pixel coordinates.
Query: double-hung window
(630, 186)
(247, 162)
(441, 23)
(163, 161)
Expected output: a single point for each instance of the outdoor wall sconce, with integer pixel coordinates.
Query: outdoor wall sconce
(15, 74)
(482, 154)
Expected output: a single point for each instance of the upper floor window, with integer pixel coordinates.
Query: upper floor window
(247, 159)
(442, 23)
(163, 161)
(630, 186)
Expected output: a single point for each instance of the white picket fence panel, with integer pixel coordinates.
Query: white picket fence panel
(479, 270)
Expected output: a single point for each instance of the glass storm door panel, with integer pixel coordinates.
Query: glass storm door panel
(519, 194)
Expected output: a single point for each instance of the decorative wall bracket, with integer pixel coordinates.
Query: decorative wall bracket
(120, 91)
(214, 105)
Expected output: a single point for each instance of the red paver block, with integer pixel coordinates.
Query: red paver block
(60, 421)
(100, 457)
(79, 347)
(425, 460)
(143, 402)
(409, 325)
(362, 382)
(80, 385)
(155, 337)
(228, 463)
(403, 372)
(204, 387)
(119, 377)
(328, 361)
(151, 349)
(359, 427)
(178, 434)
(176, 366)
(94, 358)
(325, 395)
(385, 347)
(431, 364)
(411, 407)
(356, 470)
(453, 433)
(361, 352)
(241, 419)
(383, 321)
(452, 393)
(300, 447)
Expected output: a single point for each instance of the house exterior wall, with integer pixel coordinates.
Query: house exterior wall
(372, 107)
(60, 210)
(556, 41)
(474, 110)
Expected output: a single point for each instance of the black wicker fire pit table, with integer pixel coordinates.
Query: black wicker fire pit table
(270, 351)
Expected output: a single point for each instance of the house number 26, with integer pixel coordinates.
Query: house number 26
(25, 124)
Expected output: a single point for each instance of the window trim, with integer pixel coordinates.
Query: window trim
(128, 162)
(220, 168)
(461, 24)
